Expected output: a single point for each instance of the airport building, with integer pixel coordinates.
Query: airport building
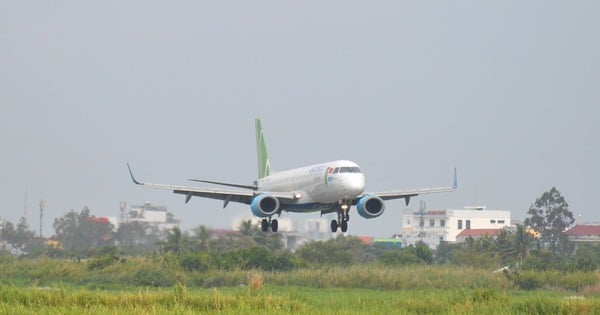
(433, 226)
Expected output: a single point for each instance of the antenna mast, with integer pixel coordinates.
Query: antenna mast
(422, 208)
(42, 206)
(25, 204)
(123, 207)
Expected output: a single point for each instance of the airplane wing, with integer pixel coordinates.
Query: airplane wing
(220, 194)
(407, 194)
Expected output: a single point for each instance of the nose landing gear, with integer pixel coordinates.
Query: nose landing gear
(343, 218)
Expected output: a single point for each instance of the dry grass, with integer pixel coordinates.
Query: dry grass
(255, 282)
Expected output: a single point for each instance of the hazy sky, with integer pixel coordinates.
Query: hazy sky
(506, 91)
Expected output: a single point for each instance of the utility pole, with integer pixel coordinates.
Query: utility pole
(25, 204)
(123, 207)
(42, 206)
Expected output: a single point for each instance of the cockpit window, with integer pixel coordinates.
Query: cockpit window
(353, 169)
(337, 170)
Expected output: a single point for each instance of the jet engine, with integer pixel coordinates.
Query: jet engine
(370, 206)
(264, 205)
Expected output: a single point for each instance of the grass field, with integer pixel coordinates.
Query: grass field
(157, 286)
(289, 300)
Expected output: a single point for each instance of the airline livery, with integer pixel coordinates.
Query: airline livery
(331, 187)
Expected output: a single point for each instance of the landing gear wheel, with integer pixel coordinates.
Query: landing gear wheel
(344, 226)
(264, 225)
(334, 226)
(274, 225)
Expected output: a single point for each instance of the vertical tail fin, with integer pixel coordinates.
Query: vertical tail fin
(264, 165)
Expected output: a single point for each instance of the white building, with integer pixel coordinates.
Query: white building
(157, 216)
(317, 229)
(434, 226)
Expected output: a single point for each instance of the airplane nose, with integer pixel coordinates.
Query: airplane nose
(355, 186)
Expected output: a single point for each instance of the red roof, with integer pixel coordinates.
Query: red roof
(479, 232)
(366, 239)
(584, 230)
(219, 233)
(99, 219)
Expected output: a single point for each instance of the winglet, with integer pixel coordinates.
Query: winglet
(133, 178)
(455, 185)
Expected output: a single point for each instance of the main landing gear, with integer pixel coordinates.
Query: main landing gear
(264, 225)
(342, 221)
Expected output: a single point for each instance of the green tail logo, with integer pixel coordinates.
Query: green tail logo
(264, 166)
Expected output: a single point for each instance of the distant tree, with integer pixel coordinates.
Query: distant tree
(246, 228)
(8, 232)
(520, 245)
(171, 218)
(83, 232)
(423, 252)
(476, 252)
(420, 253)
(22, 237)
(338, 251)
(271, 241)
(444, 253)
(23, 234)
(587, 257)
(324, 253)
(137, 237)
(176, 242)
(550, 216)
(203, 236)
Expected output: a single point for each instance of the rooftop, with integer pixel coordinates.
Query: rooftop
(584, 230)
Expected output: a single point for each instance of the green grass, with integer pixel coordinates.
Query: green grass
(155, 285)
(157, 272)
(288, 300)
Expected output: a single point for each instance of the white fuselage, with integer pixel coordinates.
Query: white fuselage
(320, 186)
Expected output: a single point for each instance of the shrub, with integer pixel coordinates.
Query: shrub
(528, 281)
(256, 257)
(152, 278)
(197, 262)
(396, 258)
(101, 262)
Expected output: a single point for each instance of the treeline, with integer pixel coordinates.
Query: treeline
(78, 235)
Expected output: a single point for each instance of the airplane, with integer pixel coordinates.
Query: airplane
(331, 187)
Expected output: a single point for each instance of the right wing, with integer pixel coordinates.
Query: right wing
(220, 194)
(407, 194)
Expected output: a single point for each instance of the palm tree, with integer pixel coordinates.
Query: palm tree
(176, 242)
(252, 232)
(247, 228)
(520, 244)
(204, 235)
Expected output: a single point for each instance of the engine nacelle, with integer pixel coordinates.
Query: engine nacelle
(264, 205)
(370, 206)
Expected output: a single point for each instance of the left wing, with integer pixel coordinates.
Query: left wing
(220, 194)
(406, 194)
